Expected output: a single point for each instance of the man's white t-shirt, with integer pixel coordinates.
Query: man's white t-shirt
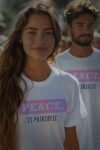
(87, 71)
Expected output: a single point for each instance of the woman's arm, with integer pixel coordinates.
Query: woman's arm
(71, 140)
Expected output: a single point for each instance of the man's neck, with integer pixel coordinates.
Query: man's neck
(81, 51)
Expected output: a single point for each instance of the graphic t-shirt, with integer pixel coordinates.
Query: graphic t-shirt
(87, 71)
(47, 108)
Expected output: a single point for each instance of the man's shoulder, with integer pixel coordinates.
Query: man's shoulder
(96, 50)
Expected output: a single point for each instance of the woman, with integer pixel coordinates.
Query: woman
(39, 105)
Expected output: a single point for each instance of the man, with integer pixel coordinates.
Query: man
(83, 61)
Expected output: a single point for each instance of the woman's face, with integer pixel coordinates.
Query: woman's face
(38, 38)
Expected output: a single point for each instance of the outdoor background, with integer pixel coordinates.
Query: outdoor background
(10, 8)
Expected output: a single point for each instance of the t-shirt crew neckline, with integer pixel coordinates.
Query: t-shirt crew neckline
(39, 83)
(82, 59)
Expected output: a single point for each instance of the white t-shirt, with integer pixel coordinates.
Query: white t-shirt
(87, 71)
(47, 108)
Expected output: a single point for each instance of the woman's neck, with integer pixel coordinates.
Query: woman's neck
(37, 71)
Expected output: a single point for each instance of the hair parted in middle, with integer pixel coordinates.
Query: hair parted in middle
(38, 7)
(12, 63)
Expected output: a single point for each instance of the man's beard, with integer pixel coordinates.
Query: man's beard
(84, 42)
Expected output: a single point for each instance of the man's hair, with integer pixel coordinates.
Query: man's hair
(77, 8)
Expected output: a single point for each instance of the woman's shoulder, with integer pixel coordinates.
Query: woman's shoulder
(64, 75)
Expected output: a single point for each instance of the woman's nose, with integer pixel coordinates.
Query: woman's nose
(39, 37)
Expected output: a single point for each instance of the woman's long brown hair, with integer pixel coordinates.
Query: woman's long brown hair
(12, 62)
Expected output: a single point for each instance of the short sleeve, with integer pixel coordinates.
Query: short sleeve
(75, 107)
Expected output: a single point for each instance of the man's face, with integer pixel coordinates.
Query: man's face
(82, 29)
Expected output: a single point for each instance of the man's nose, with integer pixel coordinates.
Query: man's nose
(87, 29)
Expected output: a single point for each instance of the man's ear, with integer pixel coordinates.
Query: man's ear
(68, 28)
